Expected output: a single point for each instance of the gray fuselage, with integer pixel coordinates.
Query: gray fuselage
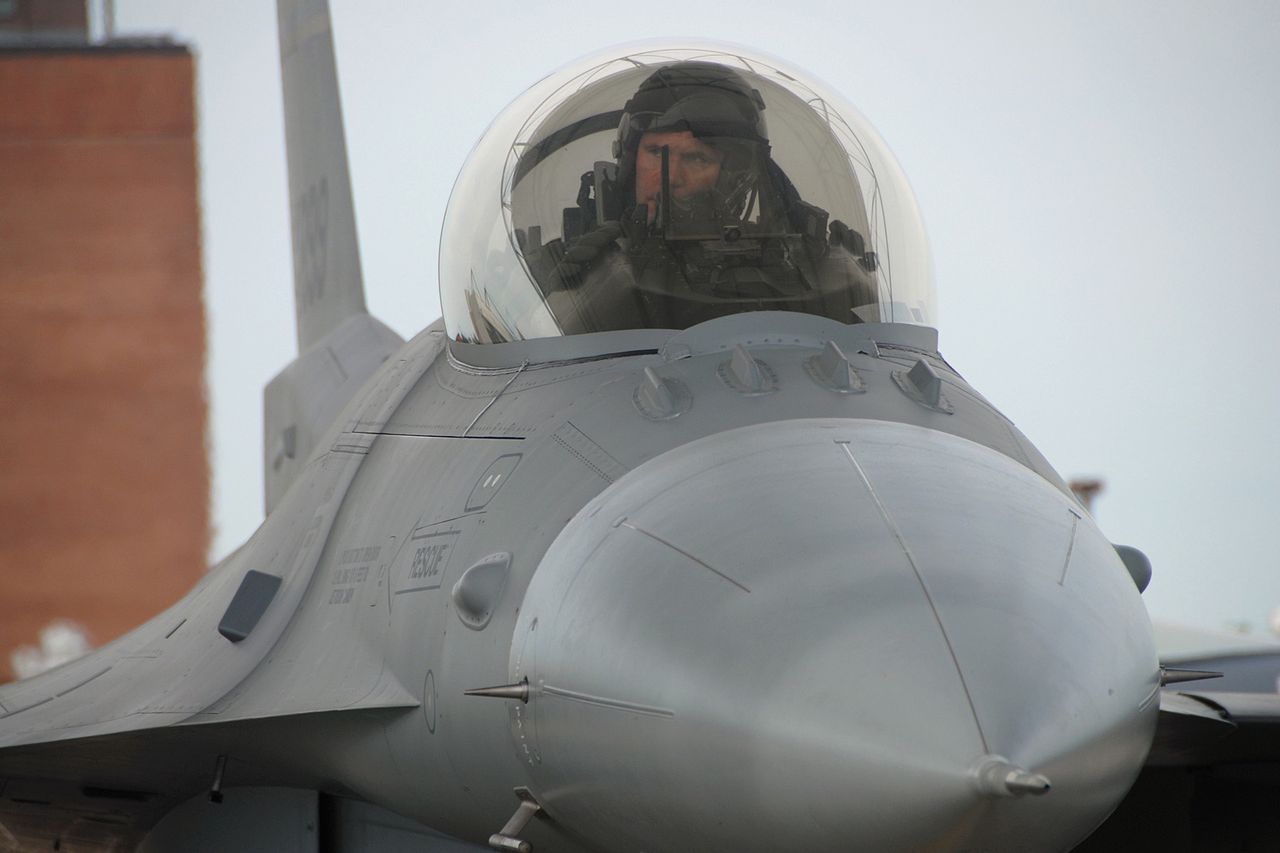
(836, 587)
(770, 583)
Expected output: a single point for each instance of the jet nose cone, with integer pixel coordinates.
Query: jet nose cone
(857, 635)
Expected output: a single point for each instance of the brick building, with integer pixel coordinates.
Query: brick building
(103, 475)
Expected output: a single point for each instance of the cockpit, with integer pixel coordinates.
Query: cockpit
(658, 188)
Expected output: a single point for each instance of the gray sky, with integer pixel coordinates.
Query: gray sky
(1100, 182)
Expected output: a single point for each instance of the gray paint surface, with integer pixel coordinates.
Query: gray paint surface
(362, 658)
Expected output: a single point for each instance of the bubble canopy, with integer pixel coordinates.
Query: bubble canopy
(657, 187)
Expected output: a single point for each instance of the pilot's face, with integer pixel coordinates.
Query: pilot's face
(694, 167)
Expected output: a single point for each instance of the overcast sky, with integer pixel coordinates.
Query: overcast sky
(1100, 181)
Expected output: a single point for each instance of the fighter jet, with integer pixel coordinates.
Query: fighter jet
(675, 533)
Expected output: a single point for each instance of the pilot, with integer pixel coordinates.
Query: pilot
(710, 121)
(695, 219)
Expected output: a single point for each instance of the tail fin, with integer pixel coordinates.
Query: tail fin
(339, 344)
(327, 284)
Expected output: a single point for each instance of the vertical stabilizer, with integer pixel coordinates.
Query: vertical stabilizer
(339, 345)
(327, 284)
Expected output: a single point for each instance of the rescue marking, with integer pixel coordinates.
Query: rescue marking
(428, 559)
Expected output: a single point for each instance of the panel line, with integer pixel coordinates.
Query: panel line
(915, 568)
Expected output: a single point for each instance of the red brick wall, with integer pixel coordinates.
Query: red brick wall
(46, 15)
(103, 476)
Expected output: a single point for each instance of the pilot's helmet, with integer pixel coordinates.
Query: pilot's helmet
(658, 188)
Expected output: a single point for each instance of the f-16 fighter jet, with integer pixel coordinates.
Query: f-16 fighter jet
(676, 533)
